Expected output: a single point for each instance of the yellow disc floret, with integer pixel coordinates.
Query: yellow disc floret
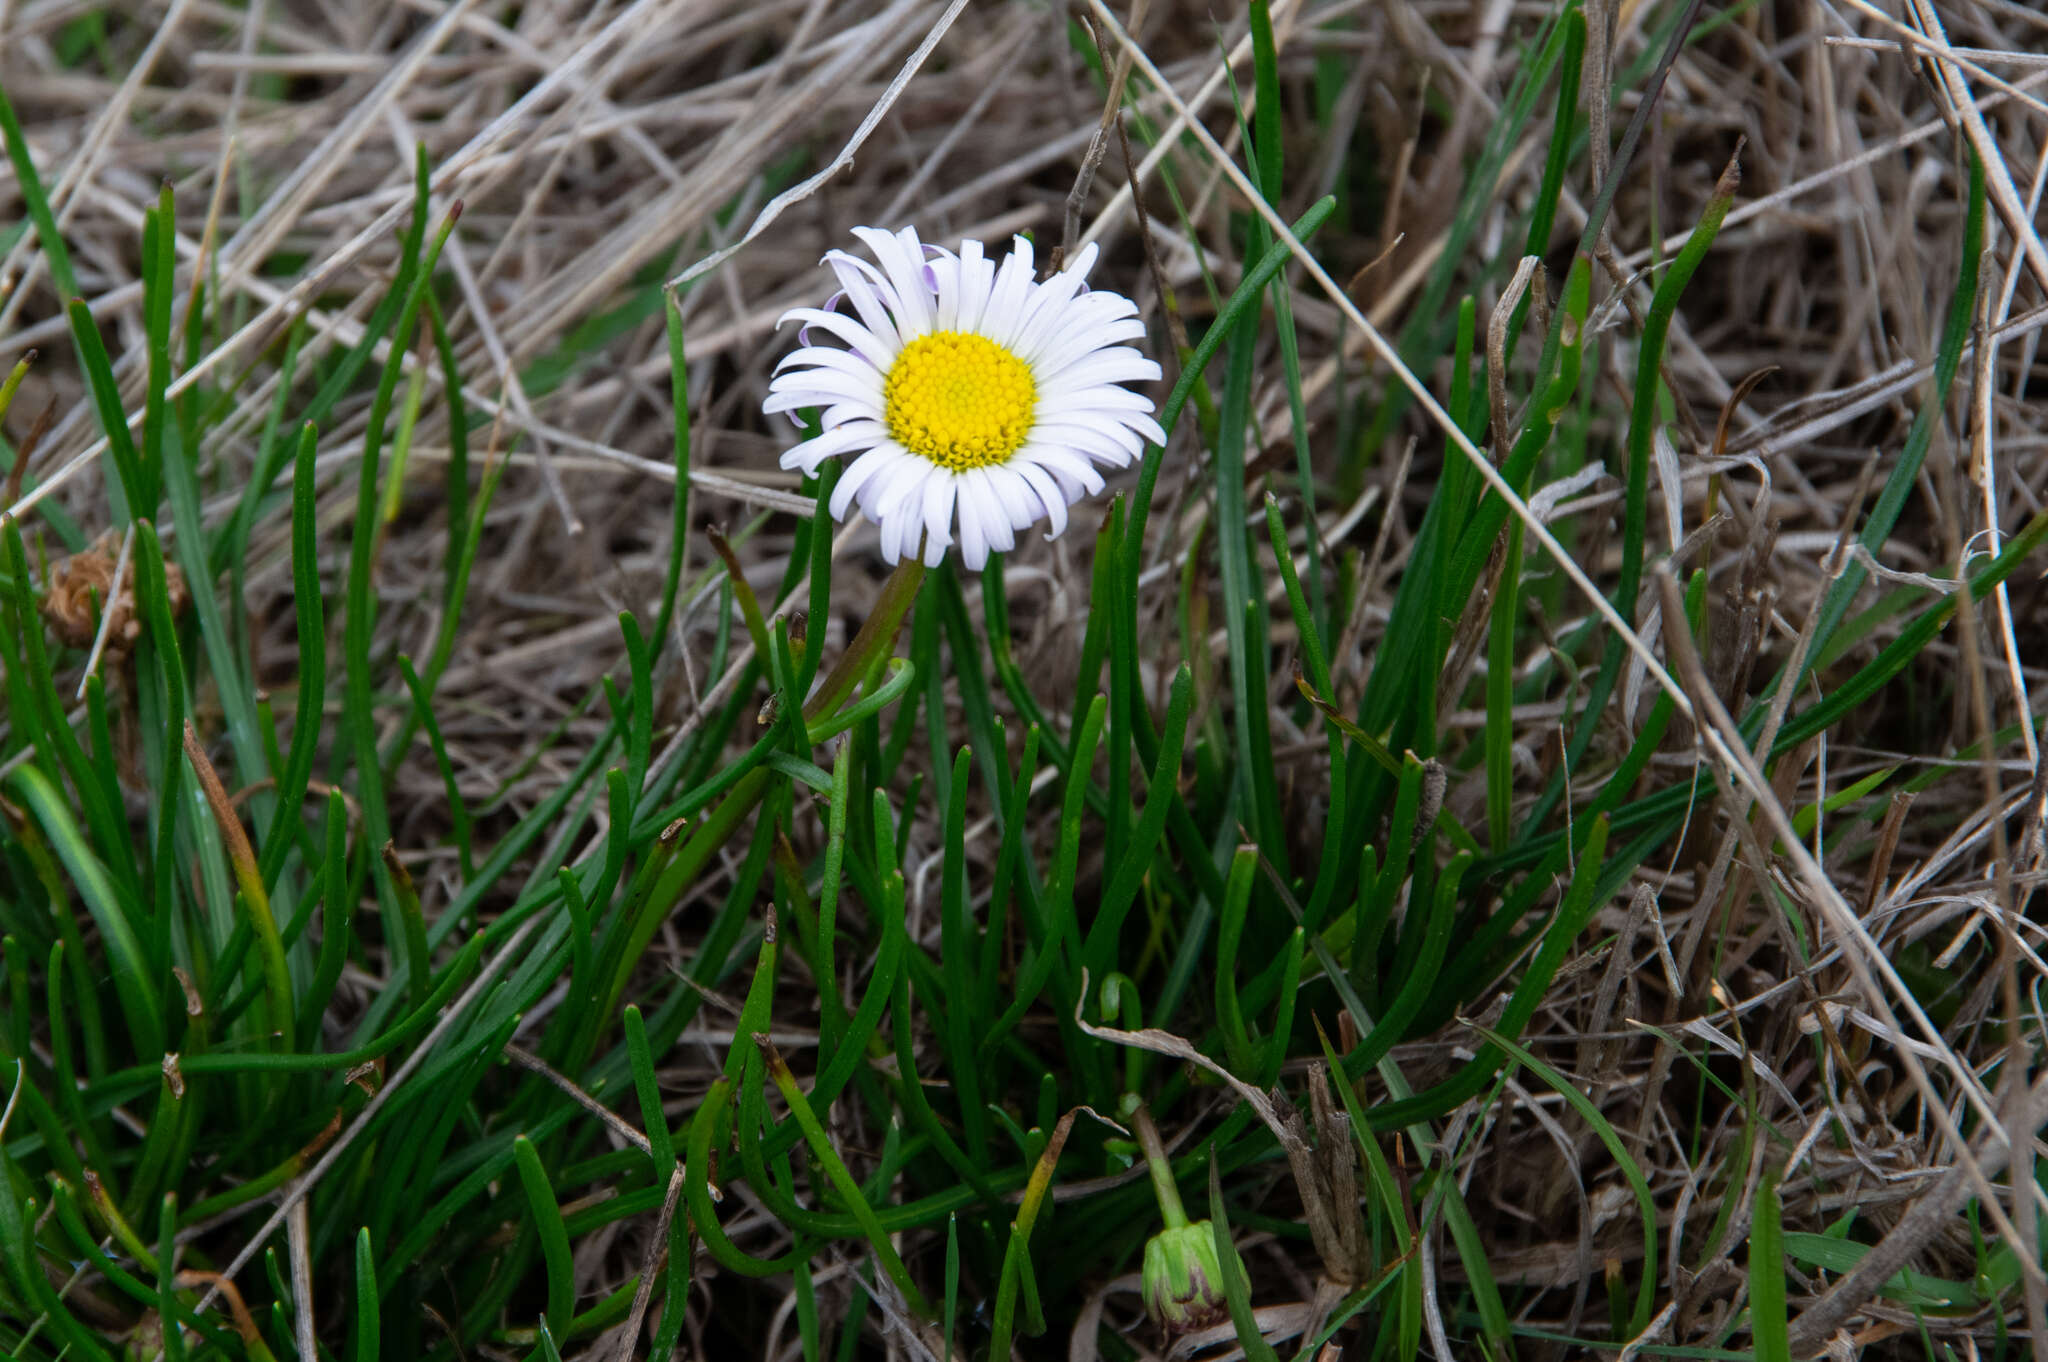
(959, 399)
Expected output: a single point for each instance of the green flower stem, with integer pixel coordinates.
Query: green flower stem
(875, 636)
(1171, 1211)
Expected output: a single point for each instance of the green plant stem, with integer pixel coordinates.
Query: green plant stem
(1171, 1212)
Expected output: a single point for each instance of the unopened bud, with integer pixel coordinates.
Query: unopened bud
(1184, 1279)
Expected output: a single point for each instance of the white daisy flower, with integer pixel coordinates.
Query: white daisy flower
(968, 393)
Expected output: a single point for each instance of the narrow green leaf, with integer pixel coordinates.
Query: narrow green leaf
(1237, 1287)
(37, 201)
(130, 490)
(369, 1309)
(554, 1237)
(1768, 1323)
(136, 985)
(835, 1170)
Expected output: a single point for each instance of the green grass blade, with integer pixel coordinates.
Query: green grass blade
(554, 1237)
(130, 491)
(30, 185)
(1767, 1310)
(835, 1171)
(1237, 1288)
(136, 983)
(369, 1314)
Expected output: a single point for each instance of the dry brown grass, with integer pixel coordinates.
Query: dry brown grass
(598, 149)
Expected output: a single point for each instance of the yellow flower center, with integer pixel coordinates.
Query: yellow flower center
(959, 399)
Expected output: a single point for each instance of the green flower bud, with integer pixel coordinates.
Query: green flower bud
(1184, 1279)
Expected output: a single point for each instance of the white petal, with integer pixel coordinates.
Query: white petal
(1066, 348)
(1072, 490)
(1008, 295)
(894, 519)
(800, 399)
(1066, 464)
(1103, 397)
(824, 379)
(876, 461)
(1101, 307)
(1046, 314)
(938, 515)
(971, 494)
(829, 357)
(878, 352)
(908, 487)
(1140, 421)
(840, 440)
(869, 301)
(827, 396)
(1049, 494)
(1099, 318)
(944, 268)
(1078, 431)
(1083, 261)
(904, 265)
(1089, 450)
(995, 516)
(907, 515)
(821, 386)
(888, 546)
(891, 486)
(832, 384)
(1121, 365)
(975, 272)
(1018, 500)
(996, 525)
(1143, 423)
(841, 413)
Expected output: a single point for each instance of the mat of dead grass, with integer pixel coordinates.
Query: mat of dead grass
(600, 150)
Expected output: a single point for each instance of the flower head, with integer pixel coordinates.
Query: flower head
(969, 394)
(1183, 1279)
